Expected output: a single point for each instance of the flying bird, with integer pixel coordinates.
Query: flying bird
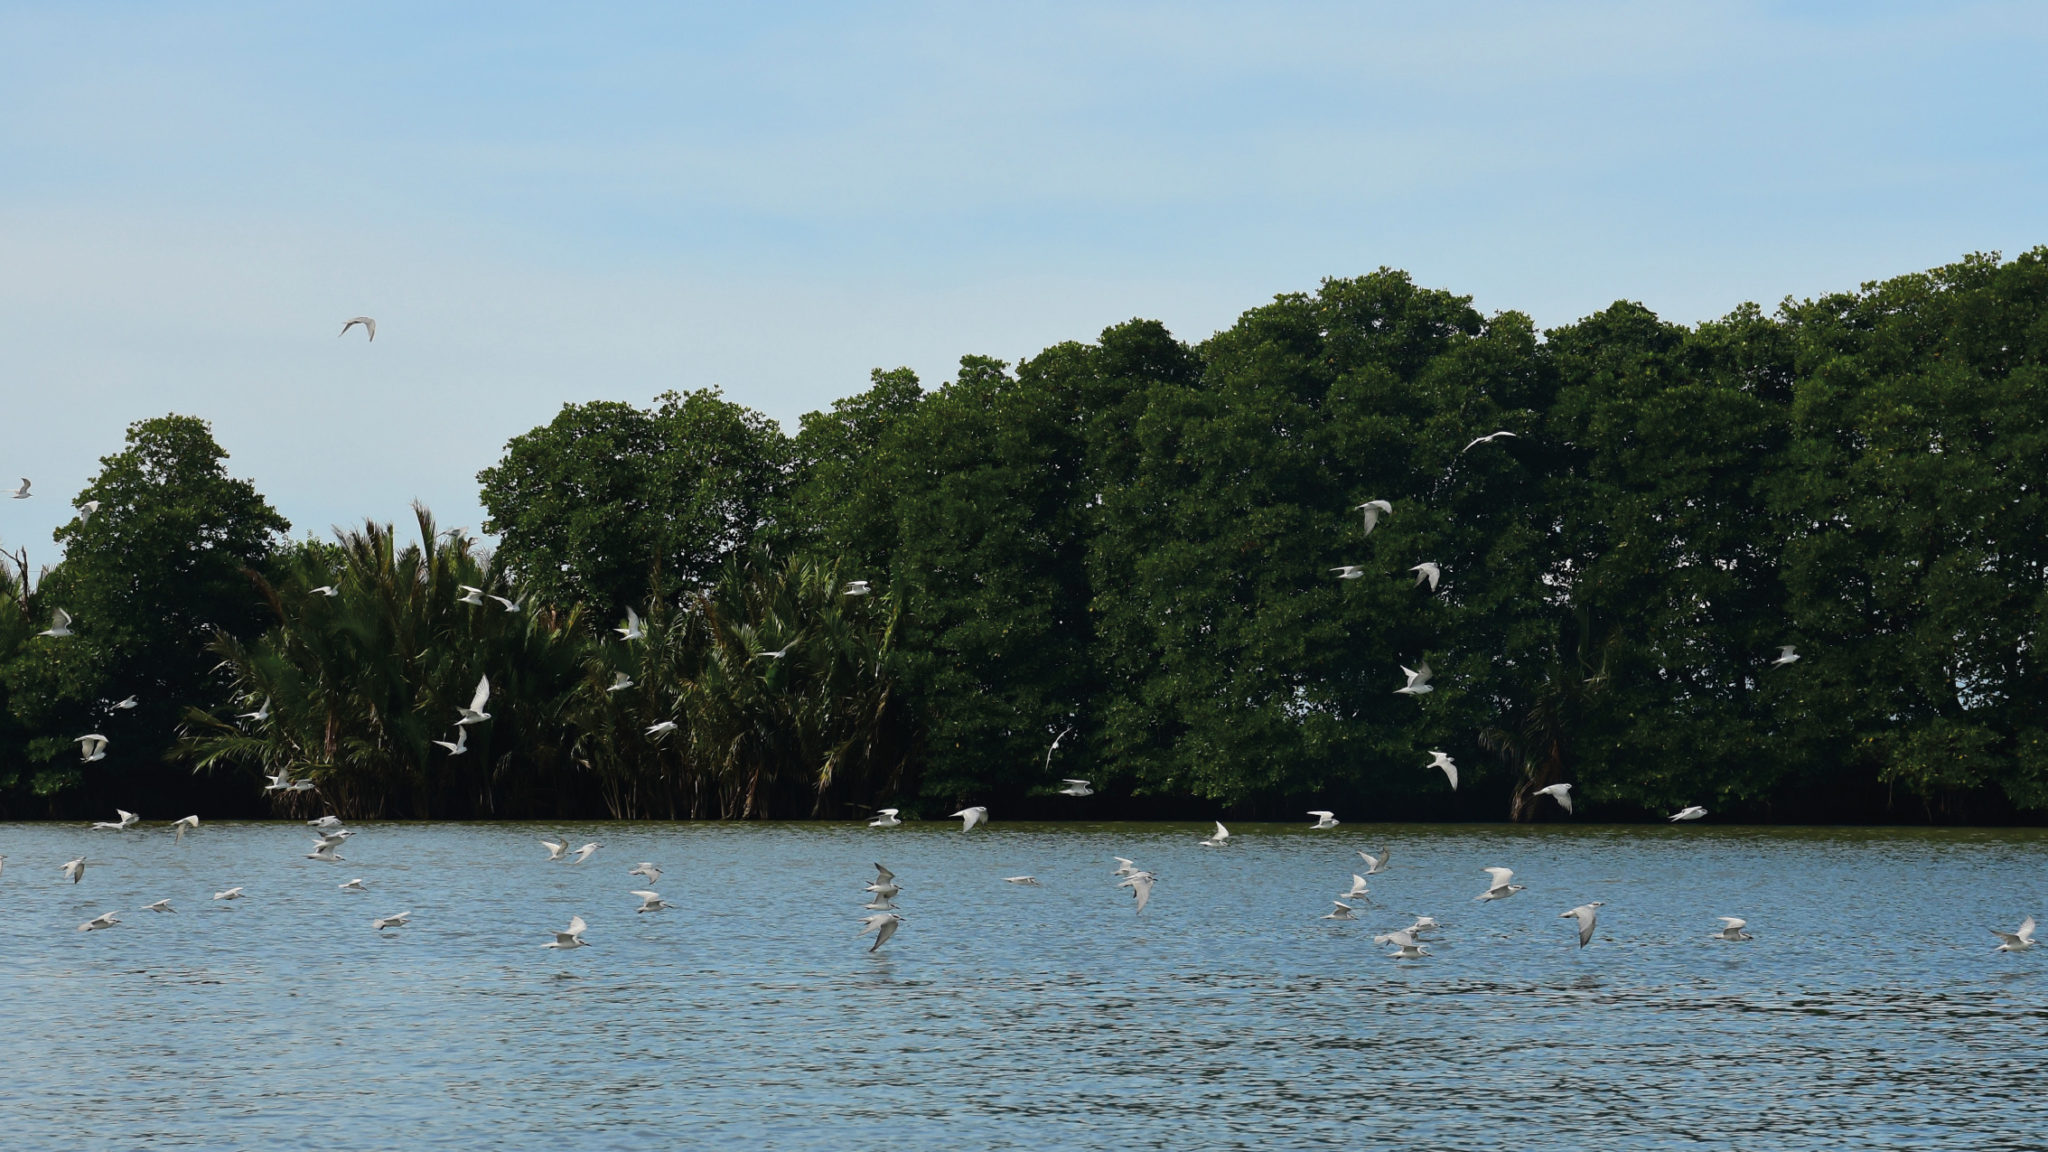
(103, 920)
(511, 606)
(475, 714)
(159, 906)
(1349, 572)
(1027, 881)
(1562, 793)
(180, 827)
(1064, 733)
(1124, 866)
(557, 849)
(60, 625)
(1428, 571)
(368, 324)
(1692, 812)
(1218, 838)
(1358, 888)
(75, 869)
(647, 870)
(1373, 510)
(1586, 915)
(459, 745)
(620, 682)
(1785, 656)
(857, 588)
(649, 901)
(1342, 912)
(127, 704)
(969, 817)
(355, 885)
(1374, 865)
(470, 595)
(86, 510)
(1486, 440)
(230, 894)
(1140, 884)
(21, 493)
(1731, 929)
(632, 630)
(1410, 947)
(885, 818)
(1418, 681)
(1501, 888)
(1439, 760)
(572, 936)
(125, 821)
(325, 852)
(1323, 819)
(586, 852)
(1077, 788)
(2018, 941)
(778, 654)
(385, 923)
(661, 728)
(882, 924)
(327, 590)
(92, 747)
(259, 715)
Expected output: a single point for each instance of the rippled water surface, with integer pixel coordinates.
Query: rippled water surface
(1869, 1012)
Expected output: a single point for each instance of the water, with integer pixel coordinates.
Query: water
(1870, 1012)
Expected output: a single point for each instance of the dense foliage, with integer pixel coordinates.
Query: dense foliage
(1133, 542)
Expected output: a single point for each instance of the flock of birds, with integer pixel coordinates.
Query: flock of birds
(884, 919)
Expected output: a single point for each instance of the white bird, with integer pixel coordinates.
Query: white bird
(383, 923)
(75, 869)
(661, 729)
(127, 704)
(557, 849)
(1423, 924)
(1418, 681)
(1323, 819)
(457, 746)
(159, 906)
(1056, 747)
(857, 588)
(355, 885)
(885, 888)
(299, 785)
(1218, 838)
(1404, 937)
(620, 682)
(1409, 952)
(1731, 929)
(475, 714)
(1358, 888)
(1140, 884)
(586, 852)
(230, 894)
(324, 851)
(259, 715)
(60, 625)
(368, 324)
(103, 920)
(1125, 867)
(1373, 510)
(1785, 656)
(86, 510)
(327, 590)
(1028, 881)
(1077, 788)
(1427, 571)
(21, 493)
(882, 924)
(1343, 912)
(91, 748)
(1586, 915)
(778, 654)
(1410, 947)
(885, 818)
(1693, 812)
(126, 821)
(1562, 793)
(969, 817)
(470, 595)
(1375, 864)
(646, 869)
(511, 606)
(883, 875)
(1486, 440)
(1349, 572)
(1501, 889)
(572, 936)
(632, 630)
(278, 782)
(1439, 760)
(2018, 941)
(649, 901)
(180, 827)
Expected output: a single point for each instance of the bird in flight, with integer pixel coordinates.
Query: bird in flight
(470, 595)
(632, 630)
(1731, 929)
(620, 682)
(1341, 912)
(74, 870)
(259, 715)
(1374, 865)
(647, 870)
(180, 827)
(661, 728)
(457, 746)
(1359, 889)
(857, 588)
(1140, 884)
(1218, 838)
(885, 818)
(1501, 888)
(649, 901)
(969, 817)
(586, 852)
(1076, 788)
(1586, 915)
(1323, 819)
(882, 924)
(2018, 941)
(327, 590)
(475, 714)
(103, 920)
(159, 906)
(1410, 947)
(230, 894)
(1785, 656)
(1691, 812)
(557, 849)
(1418, 681)
(127, 704)
(1349, 572)
(368, 324)
(1027, 881)
(572, 936)
(1064, 733)
(1439, 760)
(60, 625)
(1428, 571)
(386, 923)
(511, 606)
(86, 510)
(22, 492)
(355, 885)
(1562, 793)
(1486, 440)
(126, 821)
(1373, 510)
(92, 747)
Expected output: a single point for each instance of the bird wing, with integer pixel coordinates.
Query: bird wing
(1320, 812)
(1732, 921)
(577, 926)
(483, 694)
(1141, 884)
(1222, 833)
(1082, 783)
(1501, 876)
(1450, 771)
(883, 875)
(2027, 929)
(643, 894)
(61, 620)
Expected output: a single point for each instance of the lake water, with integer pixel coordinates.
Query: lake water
(1869, 1012)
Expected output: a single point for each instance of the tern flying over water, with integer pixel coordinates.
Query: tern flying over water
(2018, 941)
(1410, 947)
(1439, 760)
(572, 936)
(1562, 793)
(126, 821)
(188, 824)
(159, 906)
(647, 871)
(1501, 888)
(1731, 929)
(385, 923)
(557, 849)
(1418, 681)
(1693, 812)
(1341, 912)
(369, 326)
(1218, 838)
(355, 885)
(60, 625)
(475, 714)
(325, 850)
(1373, 510)
(103, 920)
(969, 817)
(1027, 881)
(1785, 656)
(882, 924)
(586, 852)
(457, 746)
(649, 901)
(632, 630)
(91, 748)
(884, 887)
(1427, 572)
(885, 818)
(1587, 915)
(1358, 888)
(1056, 747)
(1486, 440)
(1124, 867)
(325, 822)
(1323, 819)
(1375, 864)
(1140, 884)
(75, 869)
(230, 894)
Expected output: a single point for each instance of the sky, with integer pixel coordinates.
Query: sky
(549, 204)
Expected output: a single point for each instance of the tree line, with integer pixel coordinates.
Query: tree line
(1133, 541)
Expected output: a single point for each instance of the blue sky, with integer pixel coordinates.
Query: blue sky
(559, 203)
